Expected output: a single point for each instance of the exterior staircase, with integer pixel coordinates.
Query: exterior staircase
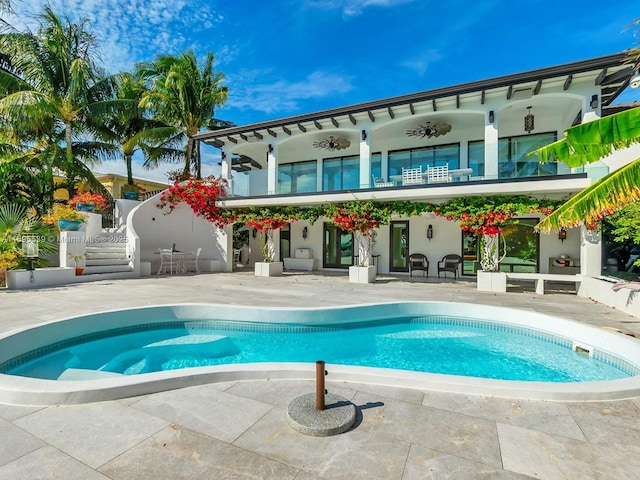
(107, 253)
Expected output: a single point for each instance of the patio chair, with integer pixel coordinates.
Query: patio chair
(190, 262)
(450, 263)
(412, 176)
(418, 261)
(168, 264)
(381, 183)
(438, 174)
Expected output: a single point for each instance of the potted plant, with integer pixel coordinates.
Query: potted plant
(65, 217)
(89, 202)
(76, 260)
(132, 191)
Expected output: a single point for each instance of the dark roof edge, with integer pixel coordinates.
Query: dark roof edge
(491, 83)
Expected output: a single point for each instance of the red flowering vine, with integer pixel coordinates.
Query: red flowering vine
(359, 216)
(201, 195)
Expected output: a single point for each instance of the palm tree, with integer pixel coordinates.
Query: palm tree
(185, 96)
(589, 143)
(130, 127)
(53, 87)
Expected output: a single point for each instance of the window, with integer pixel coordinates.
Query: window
(426, 157)
(476, 158)
(514, 161)
(342, 173)
(376, 165)
(297, 177)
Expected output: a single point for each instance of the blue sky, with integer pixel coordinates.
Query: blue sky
(286, 57)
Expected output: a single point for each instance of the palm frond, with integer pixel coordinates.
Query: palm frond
(589, 206)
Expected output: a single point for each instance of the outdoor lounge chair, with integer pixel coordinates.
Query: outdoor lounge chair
(412, 176)
(381, 183)
(418, 261)
(450, 263)
(438, 174)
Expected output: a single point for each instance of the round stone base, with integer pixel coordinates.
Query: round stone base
(337, 417)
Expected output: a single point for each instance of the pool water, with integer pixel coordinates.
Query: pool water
(446, 347)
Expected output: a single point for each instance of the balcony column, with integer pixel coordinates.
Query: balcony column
(272, 169)
(491, 146)
(590, 252)
(225, 170)
(365, 159)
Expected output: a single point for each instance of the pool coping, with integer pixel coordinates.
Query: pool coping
(29, 391)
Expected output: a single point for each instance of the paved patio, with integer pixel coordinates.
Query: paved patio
(239, 430)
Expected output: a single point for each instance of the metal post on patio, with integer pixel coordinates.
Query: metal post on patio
(320, 390)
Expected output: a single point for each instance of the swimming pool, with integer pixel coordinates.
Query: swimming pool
(431, 345)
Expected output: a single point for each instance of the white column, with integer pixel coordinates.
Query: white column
(491, 146)
(272, 170)
(590, 252)
(225, 170)
(365, 159)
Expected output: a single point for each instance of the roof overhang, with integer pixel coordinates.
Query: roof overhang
(610, 73)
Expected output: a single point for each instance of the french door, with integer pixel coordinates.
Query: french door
(399, 246)
(338, 247)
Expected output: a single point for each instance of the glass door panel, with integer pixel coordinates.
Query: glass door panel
(399, 247)
(338, 247)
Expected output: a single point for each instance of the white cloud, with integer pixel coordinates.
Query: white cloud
(128, 29)
(352, 8)
(281, 95)
(420, 63)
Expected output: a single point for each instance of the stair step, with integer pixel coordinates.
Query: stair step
(106, 255)
(103, 245)
(107, 261)
(106, 269)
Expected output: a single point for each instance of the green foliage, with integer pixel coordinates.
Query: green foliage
(15, 223)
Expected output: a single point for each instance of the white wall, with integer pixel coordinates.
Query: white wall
(157, 229)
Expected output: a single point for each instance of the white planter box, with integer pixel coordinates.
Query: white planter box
(268, 269)
(308, 264)
(362, 274)
(492, 281)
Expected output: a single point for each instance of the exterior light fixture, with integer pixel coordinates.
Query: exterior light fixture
(528, 121)
(364, 135)
(305, 233)
(635, 80)
(492, 116)
(333, 143)
(223, 155)
(562, 234)
(270, 148)
(429, 130)
(430, 232)
(594, 101)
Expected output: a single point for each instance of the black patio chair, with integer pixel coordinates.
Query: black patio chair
(418, 261)
(450, 263)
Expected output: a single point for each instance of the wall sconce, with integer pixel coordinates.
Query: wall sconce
(430, 232)
(305, 233)
(254, 234)
(594, 101)
(270, 148)
(562, 234)
(364, 135)
(492, 116)
(223, 155)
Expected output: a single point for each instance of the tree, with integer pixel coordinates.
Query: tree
(130, 127)
(588, 143)
(185, 96)
(52, 88)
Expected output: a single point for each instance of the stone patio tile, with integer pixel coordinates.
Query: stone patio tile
(281, 392)
(48, 462)
(93, 433)
(423, 463)
(351, 455)
(11, 412)
(548, 417)
(609, 423)
(15, 442)
(465, 436)
(205, 409)
(541, 455)
(176, 453)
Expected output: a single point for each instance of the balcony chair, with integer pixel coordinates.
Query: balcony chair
(168, 264)
(450, 263)
(438, 174)
(418, 261)
(380, 182)
(412, 176)
(190, 263)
